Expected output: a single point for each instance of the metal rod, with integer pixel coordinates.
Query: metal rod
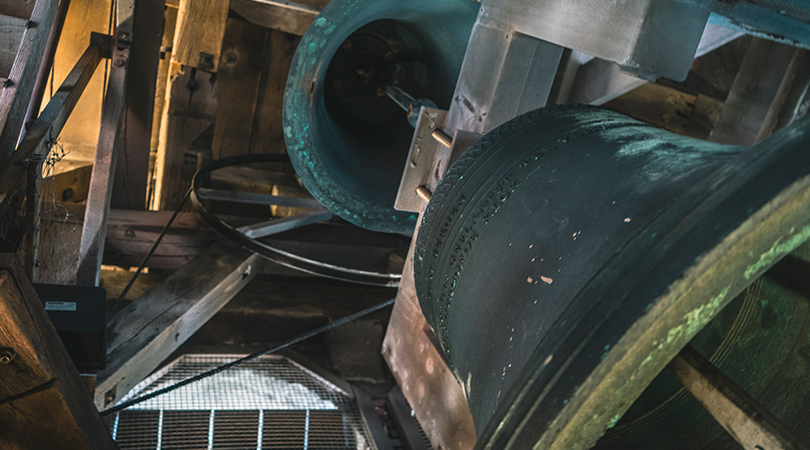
(442, 137)
(751, 425)
(400, 97)
(423, 192)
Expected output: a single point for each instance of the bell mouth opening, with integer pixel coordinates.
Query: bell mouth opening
(370, 133)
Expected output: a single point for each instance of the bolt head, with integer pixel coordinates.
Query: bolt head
(6, 356)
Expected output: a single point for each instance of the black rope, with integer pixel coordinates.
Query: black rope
(148, 256)
(272, 349)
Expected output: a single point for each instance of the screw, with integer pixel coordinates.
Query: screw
(380, 92)
(119, 61)
(389, 56)
(123, 35)
(337, 84)
(347, 45)
(6, 356)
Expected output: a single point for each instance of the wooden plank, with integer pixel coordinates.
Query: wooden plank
(752, 426)
(18, 88)
(199, 32)
(239, 75)
(268, 135)
(132, 169)
(288, 17)
(94, 228)
(16, 8)
(170, 20)
(147, 331)
(11, 33)
(43, 402)
(670, 109)
(761, 77)
(189, 108)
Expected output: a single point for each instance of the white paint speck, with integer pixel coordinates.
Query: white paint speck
(626, 220)
(529, 280)
(547, 280)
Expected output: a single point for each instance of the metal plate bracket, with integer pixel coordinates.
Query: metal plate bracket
(423, 160)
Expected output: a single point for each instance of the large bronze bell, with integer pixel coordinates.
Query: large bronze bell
(347, 140)
(571, 253)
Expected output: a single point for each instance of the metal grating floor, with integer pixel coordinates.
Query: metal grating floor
(267, 403)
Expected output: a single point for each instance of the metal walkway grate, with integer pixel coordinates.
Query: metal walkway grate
(267, 403)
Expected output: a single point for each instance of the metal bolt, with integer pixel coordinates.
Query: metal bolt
(119, 61)
(380, 92)
(389, 56)
(347, 45)
(6, 356)
(123, 35)
(337, 84)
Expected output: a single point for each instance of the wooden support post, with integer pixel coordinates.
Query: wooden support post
(19, 86)
(755, 93)
(746, 421)
(132, 168)
(198, 36)
(101, 181)
(238, 77)
(153, 326)
(43, 402)
(189, 108)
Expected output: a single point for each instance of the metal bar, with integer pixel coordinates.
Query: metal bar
(504, 74)
(256, 199)
(746, 421)
(275, 226)
(101, 181)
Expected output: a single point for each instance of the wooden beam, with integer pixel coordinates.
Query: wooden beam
(198, 36)
(132, 168)
(18, 87)
(267, 135)
(101, 181)
(43, 402)
(239, 77)
(752, 426)
(762, 76)
(189, 108)
(288, 17)
(147, 331)
(11, 33)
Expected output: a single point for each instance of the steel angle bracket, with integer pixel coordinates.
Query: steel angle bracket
(424, 160)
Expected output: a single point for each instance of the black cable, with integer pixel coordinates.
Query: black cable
(245, 359)
(148, 255)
